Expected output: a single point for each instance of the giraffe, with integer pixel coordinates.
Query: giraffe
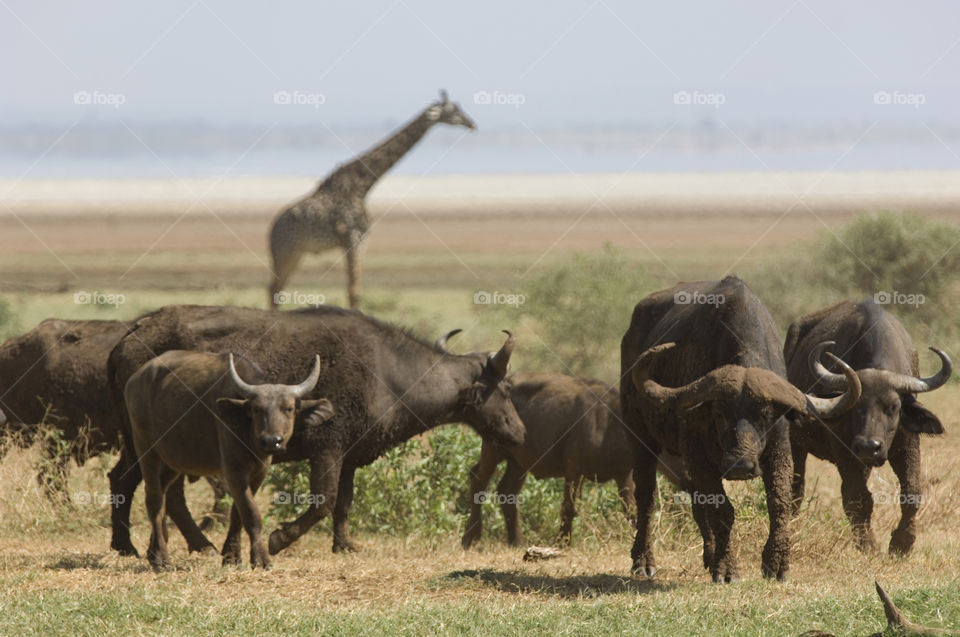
(335, 214)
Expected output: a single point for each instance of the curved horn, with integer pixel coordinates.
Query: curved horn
(301, 390)
(905, 384)
(500, 360)
(697, 391)
(641, 368)
(826, 408)
(3, 418)
(829, 380)
(245, 388)
(441, 343)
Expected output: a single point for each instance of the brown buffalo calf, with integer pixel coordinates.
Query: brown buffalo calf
(192, 413)
(573, 432)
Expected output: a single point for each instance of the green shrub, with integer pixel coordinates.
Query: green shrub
(578, 311)
(421, 489)
(909, 261)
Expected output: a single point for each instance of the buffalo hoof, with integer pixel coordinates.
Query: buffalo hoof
(645, 570)
(901, 544)
(159, 563)
(231, 559)
(469, 539)
(344, 546)
(708, 557)
(259, 558)
(726, 579)
(126, 549)
(278, 541)
(725, 572)
(204, 549)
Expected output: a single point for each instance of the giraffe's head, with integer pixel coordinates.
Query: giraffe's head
(446, 112)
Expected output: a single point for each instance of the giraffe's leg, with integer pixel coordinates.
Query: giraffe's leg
(286, 257)
(354, 254)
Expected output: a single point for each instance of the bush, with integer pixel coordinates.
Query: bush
(421, 489)
(906, 261)
(579, 311)
(893, 252)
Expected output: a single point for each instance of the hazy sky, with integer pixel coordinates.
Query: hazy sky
(593, 63)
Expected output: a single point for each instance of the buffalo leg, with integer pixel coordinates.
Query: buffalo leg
(777, 474)
(341, 513)
(124, 478)
(568, 510)
(798, 482)
(507, 490)
(247, 510)
(480, 475)
(645, 476)
(625, 489)
(324, 484)
(157, 478)
(176, 505)
(858, 503)
(699, 511)
(231, 545)
(720, 516)
(905, 462)
(219, 512)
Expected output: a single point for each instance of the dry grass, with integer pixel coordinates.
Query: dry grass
(54, 565)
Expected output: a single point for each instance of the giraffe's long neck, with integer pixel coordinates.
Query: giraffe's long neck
(359, 175)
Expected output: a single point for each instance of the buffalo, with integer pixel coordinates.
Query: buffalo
(888, 421)
(56, 374)
(191, 412)
(574, 432)
(387, 385)
(703, 378)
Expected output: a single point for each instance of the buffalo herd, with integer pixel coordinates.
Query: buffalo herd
(708, 392)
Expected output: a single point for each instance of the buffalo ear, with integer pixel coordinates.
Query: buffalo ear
(233, 411)
(472, 395)
(918, 419)
(316, 412)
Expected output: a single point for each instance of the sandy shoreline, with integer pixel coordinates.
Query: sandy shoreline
(454, 194)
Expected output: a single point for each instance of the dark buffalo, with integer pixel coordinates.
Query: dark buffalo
(56, 374)
(574, 432)
(711, 388)
(387, 387)
(191, 412)
(888, 421)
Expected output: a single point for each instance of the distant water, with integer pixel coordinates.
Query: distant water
(470, 157)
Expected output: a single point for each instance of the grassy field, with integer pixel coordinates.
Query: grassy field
(58, 577)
